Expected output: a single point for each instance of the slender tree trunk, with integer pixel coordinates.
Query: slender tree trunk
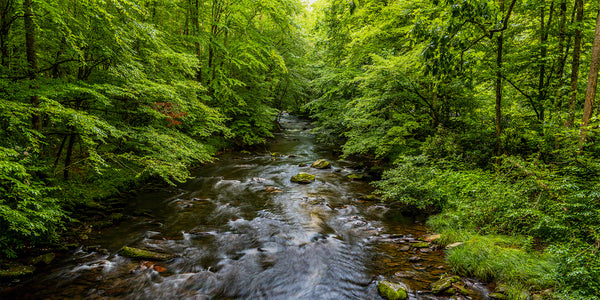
(543, 56)
(69, 155)
(575, 64)
(498, 108)
(31, 54)
(590, 94)
(561, 53)
(6, 20)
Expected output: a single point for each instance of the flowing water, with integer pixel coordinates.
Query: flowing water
(240, 229)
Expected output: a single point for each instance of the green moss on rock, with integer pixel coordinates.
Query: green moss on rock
(420, 245)
(356, 176)
(443, 284)
(16, 271)
(144, 254)
(303, 178)
(45, 259)
(321, 164)
(498, 296)
(392, 291)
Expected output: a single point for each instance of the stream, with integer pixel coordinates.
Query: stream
(240, 229)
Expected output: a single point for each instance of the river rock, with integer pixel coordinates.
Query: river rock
(498, 296)
(443, 284)
(356, 176)
(454, 245)
(420, 245)
(392, 291)
(321, 164)
(144, 254)
(44, 259)
(433, 237)
(16, 271)
(303, 178)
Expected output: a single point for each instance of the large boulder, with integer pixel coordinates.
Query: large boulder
(303, 178)
(392, 291)
(321, 164)
(144, 254)
(443, 284)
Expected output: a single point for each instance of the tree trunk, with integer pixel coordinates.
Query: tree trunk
(498, 108)
(575, 64)
(30, 52)
(590, 94)
(541, 97)
(561, 53)
(69, 155)
(6, 19)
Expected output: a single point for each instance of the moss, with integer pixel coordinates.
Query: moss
(43, 259)
(144, 254)
(16, 271)
(444, 284)
(303, 178)
(321, 164)
(356, 176)
(391, 291)
(420, 245)
(498, 296)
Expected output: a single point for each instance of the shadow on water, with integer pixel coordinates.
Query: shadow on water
(241, 230)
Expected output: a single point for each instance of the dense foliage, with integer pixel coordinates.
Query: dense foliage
(100, 95)
(481, 110)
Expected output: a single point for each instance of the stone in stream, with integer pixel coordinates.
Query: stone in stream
(16, 271)
(44, 259)
(303, 178)
(144, 254)
(321, 164)
(497, 296)
(454, 245)
(420, 245)
(392, 291)
(433, 237)
(356, 176)
(443, 284)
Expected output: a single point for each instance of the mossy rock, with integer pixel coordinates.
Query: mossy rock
(356, 176)
(420, 245)
(144, 254)
(443, 284)
(461, 289)
(321, 164)
(44, 259)
(16, 271)
(369, 198)
(498, 296)
(392, 291)
(303, 178)
(276, 154)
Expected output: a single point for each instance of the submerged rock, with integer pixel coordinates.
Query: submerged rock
(420, 245)
(498, 296)
(16, 271)
(443, 284)
(303, 178)
(392, 291)
(356, 176)
(321, 164)
(144, 254)
(44, 259)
